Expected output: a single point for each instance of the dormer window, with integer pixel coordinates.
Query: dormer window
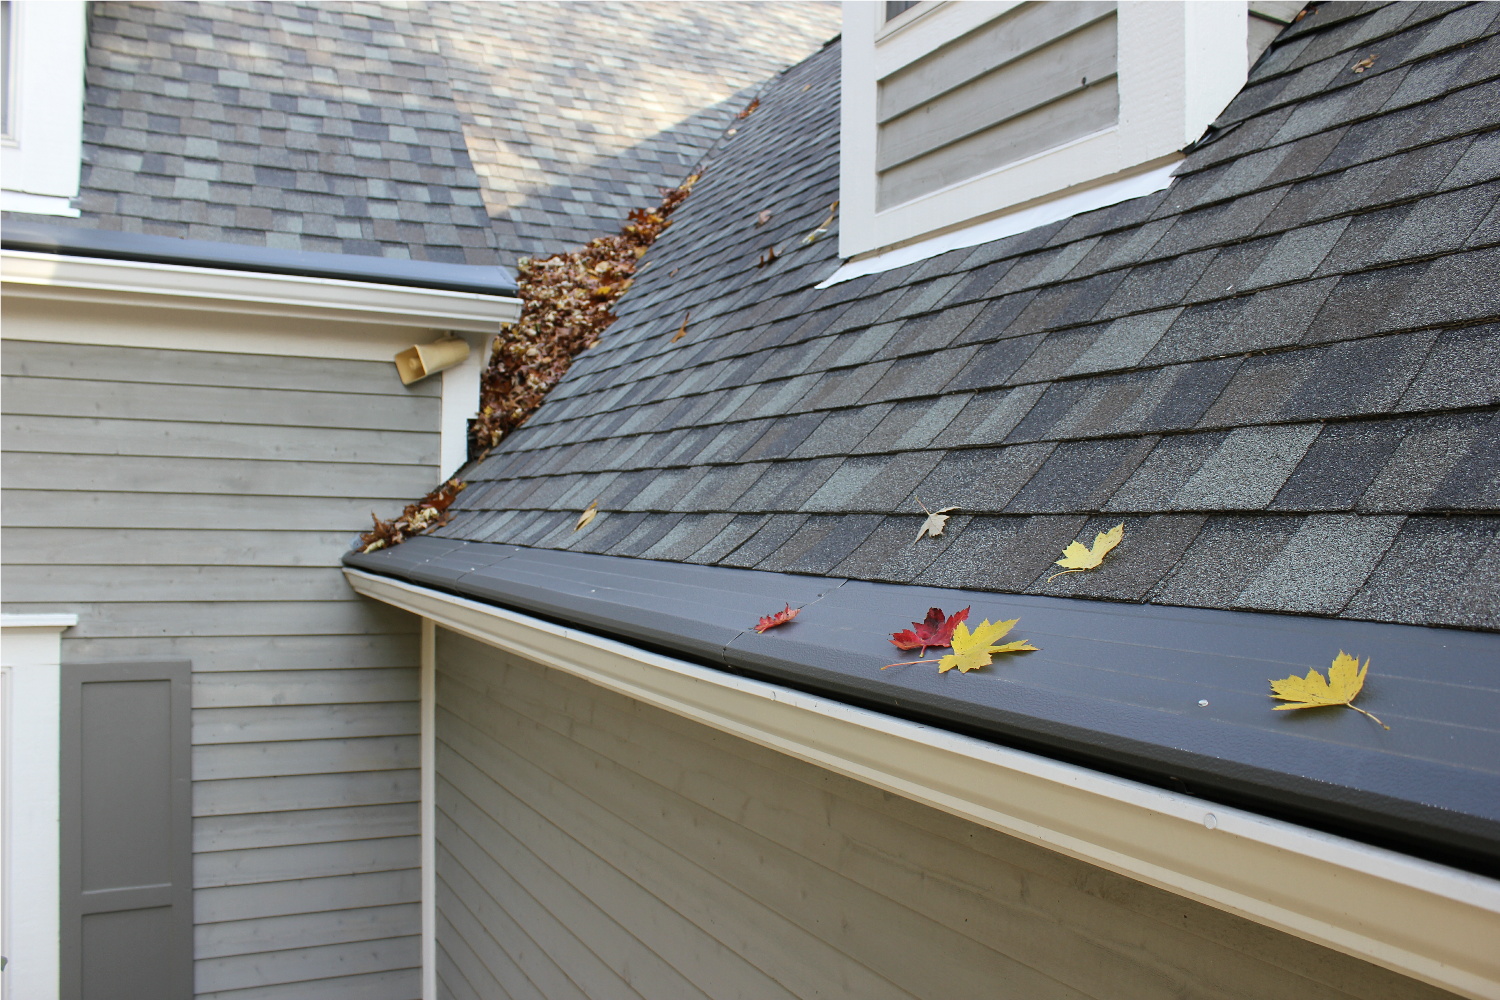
(957, 114)
(43, 105)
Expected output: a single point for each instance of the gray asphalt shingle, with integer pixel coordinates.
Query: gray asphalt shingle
(1437, 568)
(1323, 565)
(461, 132)
(1339, 466)
(1277, 373)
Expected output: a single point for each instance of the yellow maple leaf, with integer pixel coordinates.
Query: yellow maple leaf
(586, 516)
(972, 650)
(1077, 558)
(1345, 680)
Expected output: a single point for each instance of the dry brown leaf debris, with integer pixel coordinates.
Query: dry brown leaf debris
(420, 516)
(565, 308)
(937, 521)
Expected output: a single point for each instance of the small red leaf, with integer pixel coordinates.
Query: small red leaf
(936, 631)
(779, 618)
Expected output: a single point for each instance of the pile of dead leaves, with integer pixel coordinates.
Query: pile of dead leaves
(565, 307)
(425, 514)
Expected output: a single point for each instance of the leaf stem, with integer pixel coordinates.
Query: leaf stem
(1054, 576)
(1363, 712)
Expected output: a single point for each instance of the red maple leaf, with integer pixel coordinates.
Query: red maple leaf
(935, 631)
(779, 618)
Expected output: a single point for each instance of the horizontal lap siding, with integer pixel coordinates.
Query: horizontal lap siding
(194, 505)
(590, 846)
(1036, 77)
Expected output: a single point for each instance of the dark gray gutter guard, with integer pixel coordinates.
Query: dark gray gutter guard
(1116, 687)
(73, 241)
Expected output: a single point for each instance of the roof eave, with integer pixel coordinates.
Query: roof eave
(74, 241)
(1416, 917)
(1175, 697)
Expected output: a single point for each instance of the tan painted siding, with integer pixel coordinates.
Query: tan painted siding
(1038, 76)
(591, 846)
(193, 504)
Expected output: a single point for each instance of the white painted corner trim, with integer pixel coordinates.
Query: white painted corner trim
(1424, 920)
(176, 286)
(460, 401)
(30, 769)
(428, 743)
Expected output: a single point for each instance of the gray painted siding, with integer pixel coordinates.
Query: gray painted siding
(591, 846)
(194, 505)
(1039, 75)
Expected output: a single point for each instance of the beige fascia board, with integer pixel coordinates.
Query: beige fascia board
(174, 286)
(1421, 919)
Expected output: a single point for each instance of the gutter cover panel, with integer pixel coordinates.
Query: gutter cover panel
(1113, 686)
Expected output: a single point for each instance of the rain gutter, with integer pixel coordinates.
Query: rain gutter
(1419, 918)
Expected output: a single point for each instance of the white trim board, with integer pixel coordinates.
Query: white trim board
(460, 402)
(61, 321)
(1421, 919)
(177, 286)
(1025, 220)
(38, 204)
(30, 767)
(428, 821)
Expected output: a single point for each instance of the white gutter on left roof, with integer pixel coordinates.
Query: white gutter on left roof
(178, 286)
(1421, 919)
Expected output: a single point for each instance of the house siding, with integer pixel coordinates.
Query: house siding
(194, 505)
(592, 846)
(1035, 77)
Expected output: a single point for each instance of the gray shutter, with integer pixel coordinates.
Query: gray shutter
(127, 867)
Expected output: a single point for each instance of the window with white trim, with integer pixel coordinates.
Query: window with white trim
(961, 113)
(42, 148)
(9, 61)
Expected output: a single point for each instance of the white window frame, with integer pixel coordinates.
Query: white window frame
(1180, 63)
(41, 160)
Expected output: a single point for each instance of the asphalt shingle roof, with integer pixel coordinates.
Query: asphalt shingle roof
(576, 112)
(1279, 373)
(460, 132)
